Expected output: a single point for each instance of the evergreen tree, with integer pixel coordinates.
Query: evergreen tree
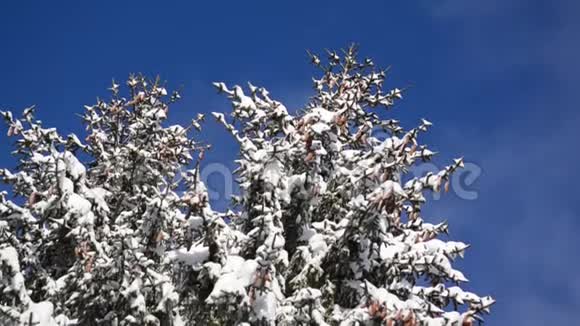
(327, 229)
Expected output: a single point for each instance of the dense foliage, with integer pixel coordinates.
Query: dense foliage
(117, 229)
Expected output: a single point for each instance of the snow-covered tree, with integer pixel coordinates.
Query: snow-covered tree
(92, 239)
(327, 228)
(331, 214)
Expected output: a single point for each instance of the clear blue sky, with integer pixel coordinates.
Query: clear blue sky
(499, 80)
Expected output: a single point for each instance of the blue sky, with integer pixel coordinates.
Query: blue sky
(497, 78)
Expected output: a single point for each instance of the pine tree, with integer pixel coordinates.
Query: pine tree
(92, 239)
(327, 228)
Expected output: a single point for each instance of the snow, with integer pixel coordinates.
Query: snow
(39, 314)
(272, 172)
(389, 251)
(98, 195)
(195, 222)
(265, 306)
(387, 189)
(65, 184)
(76, 205)
(236, 275)
(350, 154)
(317, 245)
(320, 127)
(9, 258)
(136, 298)
(244, 102)
(324, 115)
(62, 320)
(73, 166)
(194, 257)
